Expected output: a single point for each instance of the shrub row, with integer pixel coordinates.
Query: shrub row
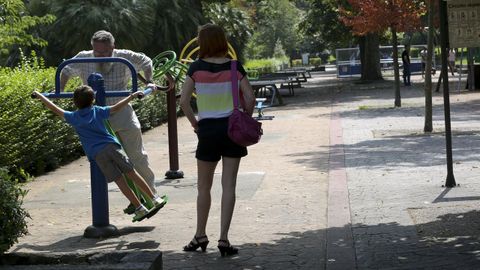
(34, 139)
(266, 65)
(13, 217)
(313, 61)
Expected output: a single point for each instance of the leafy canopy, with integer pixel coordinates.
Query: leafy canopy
(15, 25)
(376, 16)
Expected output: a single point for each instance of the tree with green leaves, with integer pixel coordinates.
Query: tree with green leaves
(428, 124)
(141, 25)
(234, 21)
(16, 28)
(273, 20)
(175, 24)
(322, 27)
(130, 21)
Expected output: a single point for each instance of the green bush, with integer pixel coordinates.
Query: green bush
(297, 62)
(31, 137)
(266, 65)
(34, 139)
(13, 217)
(315, 61)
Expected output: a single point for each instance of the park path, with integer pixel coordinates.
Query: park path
(340, 180)
(280, 216)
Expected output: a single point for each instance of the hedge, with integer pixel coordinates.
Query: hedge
(266, 65)
(34, 139)
(13, 216)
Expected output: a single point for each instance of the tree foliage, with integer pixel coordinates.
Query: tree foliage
(234, 20)
(175, 24)
(15, 26)
(273, 20)
(376, 16)
(322, 27)
(129, 21)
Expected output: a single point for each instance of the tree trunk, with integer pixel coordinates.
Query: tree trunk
(428, 125)
(398, 99)
(370, 57)
(471, 70)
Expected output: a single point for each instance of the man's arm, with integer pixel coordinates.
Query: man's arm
(63, 81)
(122, 103)
(50, 105)
(73, 69)
(145, 63)
(148, 73)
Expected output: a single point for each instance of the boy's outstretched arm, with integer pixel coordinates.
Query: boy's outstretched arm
(122, 103)
(50, 105)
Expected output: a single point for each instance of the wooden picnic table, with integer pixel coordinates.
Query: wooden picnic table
(299, 75)
(271, 85)
(290, 80)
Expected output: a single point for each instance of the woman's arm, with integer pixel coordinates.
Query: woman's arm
(187, 91)
(248, 95)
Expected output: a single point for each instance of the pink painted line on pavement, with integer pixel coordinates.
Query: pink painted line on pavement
(340, 248)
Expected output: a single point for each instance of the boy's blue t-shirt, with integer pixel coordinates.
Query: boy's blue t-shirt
(90, 126)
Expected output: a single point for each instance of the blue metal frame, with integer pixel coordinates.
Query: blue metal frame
(113, 93)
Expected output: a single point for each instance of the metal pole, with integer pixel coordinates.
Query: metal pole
(174, 172)
(101, 226)
(450, 181)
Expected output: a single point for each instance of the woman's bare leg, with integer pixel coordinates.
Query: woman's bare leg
(205, 172)
(229, 182)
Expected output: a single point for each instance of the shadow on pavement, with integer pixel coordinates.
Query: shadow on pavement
(449, 242)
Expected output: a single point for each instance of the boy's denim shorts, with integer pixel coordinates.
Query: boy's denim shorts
(112, 162)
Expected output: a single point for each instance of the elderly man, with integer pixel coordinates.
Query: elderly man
(117, 76)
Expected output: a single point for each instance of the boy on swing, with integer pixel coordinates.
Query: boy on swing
(103, 147)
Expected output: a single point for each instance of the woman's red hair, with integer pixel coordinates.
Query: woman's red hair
(212, 41)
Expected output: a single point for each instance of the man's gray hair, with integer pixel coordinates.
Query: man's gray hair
(103, 36)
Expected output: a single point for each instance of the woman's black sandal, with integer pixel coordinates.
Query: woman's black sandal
(193, 246)
(227, 250)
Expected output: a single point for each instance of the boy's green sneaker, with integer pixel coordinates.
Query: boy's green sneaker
(140, 213)
(158, 203)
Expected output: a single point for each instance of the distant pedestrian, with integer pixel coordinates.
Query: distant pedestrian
(423, 56)
(406, 65)
(451, 61)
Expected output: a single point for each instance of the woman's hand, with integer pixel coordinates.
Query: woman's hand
(195, 126)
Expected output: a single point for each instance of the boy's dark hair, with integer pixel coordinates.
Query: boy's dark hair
(83, 96)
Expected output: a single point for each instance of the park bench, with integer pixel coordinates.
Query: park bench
(259, 106)
(302, 73)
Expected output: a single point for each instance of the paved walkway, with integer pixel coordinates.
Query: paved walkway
(340, 180)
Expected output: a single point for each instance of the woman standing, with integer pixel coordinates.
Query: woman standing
(210, 78)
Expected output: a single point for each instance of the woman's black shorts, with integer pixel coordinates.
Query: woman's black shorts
(214, 143)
